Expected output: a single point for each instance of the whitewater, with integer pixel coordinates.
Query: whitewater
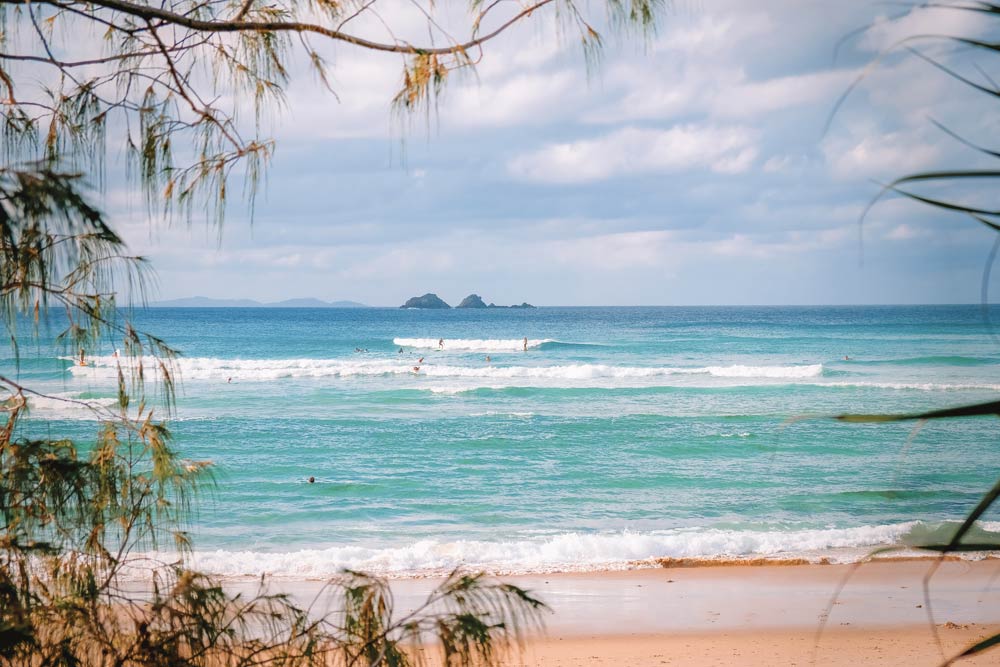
(612, 438)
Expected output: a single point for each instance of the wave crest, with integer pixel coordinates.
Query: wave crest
(209, 368)
(70, 406)
(565, 552)
(471, 344)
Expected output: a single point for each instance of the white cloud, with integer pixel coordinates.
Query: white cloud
(777, 164)
(517, 81)
(903, 232)
(887, 33)
(725, 111)
(721, 91)
(764, 248)
(522, 99)
(613, 252)
(714, 34)
(722, 149)
(749, 98)
(870, 155)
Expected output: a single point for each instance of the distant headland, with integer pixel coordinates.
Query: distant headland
(433, 301)
(206, 302)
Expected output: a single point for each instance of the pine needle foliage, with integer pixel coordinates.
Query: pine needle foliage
(184, 84)
(181, 87)
(77, 518)
(950, 186)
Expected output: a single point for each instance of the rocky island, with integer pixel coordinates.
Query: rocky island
(431, 300)
(472, 301)
(476, 301)
(523, 304)
(428, 300)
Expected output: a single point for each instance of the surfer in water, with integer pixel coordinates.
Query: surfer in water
(82, 361)
(440, 343)
(525, 343)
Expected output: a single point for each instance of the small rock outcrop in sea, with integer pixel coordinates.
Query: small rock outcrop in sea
(523, 305)
(428, 300)
(472, 301)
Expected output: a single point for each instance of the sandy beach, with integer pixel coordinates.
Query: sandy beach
(769, 615)
(888, 646)
(749, 615)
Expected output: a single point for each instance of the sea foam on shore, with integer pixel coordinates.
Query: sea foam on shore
(569, 552)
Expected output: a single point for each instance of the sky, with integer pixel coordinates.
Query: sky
(700, 167)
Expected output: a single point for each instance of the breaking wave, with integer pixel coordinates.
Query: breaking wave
(210, 368)
(70, 406)
(915, 386)
(471, 344)
(567, 552)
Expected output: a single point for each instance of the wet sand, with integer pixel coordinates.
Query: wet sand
(759, 615)
(888, 646)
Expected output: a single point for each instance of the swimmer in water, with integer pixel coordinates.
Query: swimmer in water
(312, 480)
(420, 360)
(416, 369)
(488, 358)
(400, 351)
(846, 358)
(229, 381)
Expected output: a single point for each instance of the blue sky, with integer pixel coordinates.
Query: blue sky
(695, 170)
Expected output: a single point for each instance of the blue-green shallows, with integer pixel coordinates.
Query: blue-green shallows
(620, 434)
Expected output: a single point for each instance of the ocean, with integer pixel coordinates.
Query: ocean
(619, 436)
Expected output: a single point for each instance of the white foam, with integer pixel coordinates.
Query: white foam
(916, 386)
(69, 406)
(210, 368)
(497, 413)
(563, 552)
(812, 370)
(471, 344)
(451, 391)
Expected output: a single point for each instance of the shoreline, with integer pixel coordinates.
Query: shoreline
(831, 558)
(573, 552)
(757, 616)
(654, 601)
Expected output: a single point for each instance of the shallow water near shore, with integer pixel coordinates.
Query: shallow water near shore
(619, 435)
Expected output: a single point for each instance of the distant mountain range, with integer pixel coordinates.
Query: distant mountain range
(205, 302)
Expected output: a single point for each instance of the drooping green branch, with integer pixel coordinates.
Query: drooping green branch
(178, 76)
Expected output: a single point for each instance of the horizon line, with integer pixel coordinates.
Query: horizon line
(160, 304)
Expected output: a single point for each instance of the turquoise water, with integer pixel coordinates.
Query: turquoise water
(621, 434)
